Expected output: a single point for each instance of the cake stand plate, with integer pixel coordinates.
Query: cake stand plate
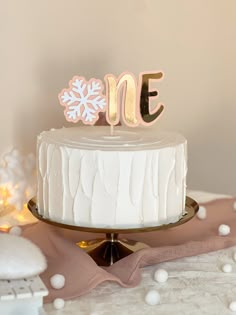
(110, 249)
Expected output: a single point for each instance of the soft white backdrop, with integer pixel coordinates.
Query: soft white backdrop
(44, 43)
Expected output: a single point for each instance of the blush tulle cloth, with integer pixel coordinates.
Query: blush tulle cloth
(82, 273)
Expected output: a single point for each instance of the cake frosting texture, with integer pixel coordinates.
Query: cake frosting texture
(133, 178)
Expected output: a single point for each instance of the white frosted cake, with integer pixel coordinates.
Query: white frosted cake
(135, 178)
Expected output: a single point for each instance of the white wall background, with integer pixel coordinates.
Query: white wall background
(44, 43)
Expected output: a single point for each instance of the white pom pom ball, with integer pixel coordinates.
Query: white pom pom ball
(227, 268)
(161, 275)
(57, 281)
(58, 304)
(224, 230)
(201, 214)
(152, 297)
(15, 230)
(232, 306)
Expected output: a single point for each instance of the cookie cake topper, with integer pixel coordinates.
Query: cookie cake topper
(84, 100)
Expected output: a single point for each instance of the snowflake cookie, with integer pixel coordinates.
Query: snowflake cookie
(83, 100)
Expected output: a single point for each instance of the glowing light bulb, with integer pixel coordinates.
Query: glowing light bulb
(4, 227)
(4, 196)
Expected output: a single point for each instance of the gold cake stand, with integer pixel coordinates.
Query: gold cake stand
(110, 249)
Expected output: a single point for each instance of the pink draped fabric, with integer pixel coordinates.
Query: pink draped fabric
(82, 274)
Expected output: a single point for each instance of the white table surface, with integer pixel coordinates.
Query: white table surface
(196, 286)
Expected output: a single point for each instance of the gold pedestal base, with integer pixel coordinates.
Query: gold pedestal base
(107, 251)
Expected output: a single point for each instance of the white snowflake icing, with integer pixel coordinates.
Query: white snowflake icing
(83, 100)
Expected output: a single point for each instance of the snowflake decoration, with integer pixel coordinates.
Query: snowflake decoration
(83, 100)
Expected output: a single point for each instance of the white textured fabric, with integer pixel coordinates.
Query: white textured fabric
(134, 178)
(196, 286)
(19, 258)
